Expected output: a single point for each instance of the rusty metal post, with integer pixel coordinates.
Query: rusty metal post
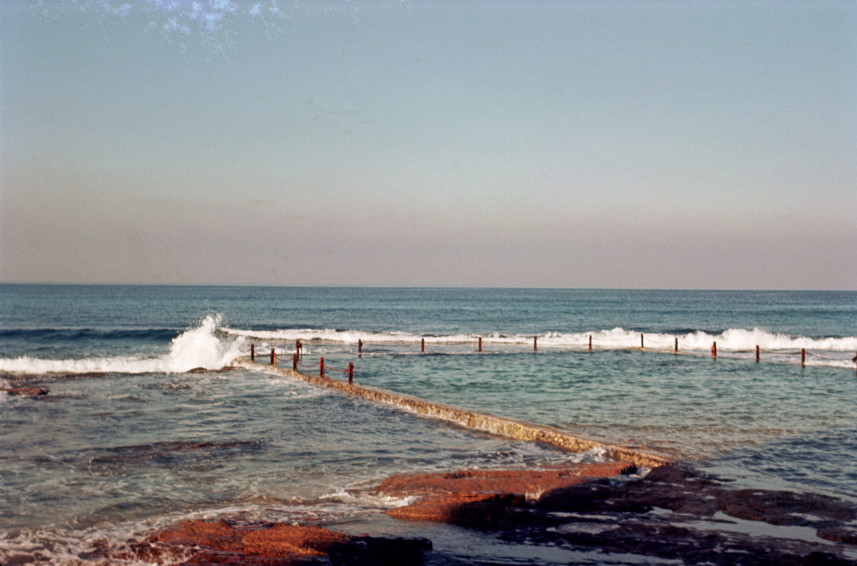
(295, 361)
(803, 356)
(252, 352)
(321, 367)
(642, 347)
(535, 343)
(676, 345)
(350, 373)
(590, 342)
(422, 345)
(480, 344)
(273, 357)
(757, 353)
(714, 350)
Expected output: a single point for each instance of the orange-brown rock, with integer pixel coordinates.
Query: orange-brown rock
(586, 513)
(23, 391)
(485, 495)
(197, 543)
(209, 539)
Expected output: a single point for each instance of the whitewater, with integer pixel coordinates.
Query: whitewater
(197, 348)
(835, 352)
(212, 346)
(146, 420)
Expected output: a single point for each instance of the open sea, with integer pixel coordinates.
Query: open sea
(134, 436)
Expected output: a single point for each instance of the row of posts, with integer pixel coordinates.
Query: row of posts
(299, 352)
(714, 349)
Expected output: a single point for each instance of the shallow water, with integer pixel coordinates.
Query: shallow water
(129, 439)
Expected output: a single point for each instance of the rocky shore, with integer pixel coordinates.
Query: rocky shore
(673, 515)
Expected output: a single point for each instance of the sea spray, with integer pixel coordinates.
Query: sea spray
(201, 348)
(197, 347)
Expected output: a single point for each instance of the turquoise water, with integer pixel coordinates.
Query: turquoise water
(130, 438)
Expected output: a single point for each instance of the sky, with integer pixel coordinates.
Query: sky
(503, 143)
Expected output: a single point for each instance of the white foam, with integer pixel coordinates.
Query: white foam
(65, 547)
(210, 346)
(735, 339)
(739, 339)
(198, 347)
(326, 335)
(736, 342)
(369, 499)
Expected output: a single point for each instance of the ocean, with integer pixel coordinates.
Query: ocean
(143, 427)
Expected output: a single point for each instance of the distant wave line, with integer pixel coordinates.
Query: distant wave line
(732, 340)
(211, 346)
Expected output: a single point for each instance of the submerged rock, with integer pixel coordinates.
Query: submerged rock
(24, 391)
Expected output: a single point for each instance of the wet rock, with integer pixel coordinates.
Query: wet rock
(25, 391)
(365, 550)
(484, 498)
(193, 543)
(673, 513)
(676, 512)
(682, 490)
(839, 534)
(81, 375)
(218, 542)
(498, 481)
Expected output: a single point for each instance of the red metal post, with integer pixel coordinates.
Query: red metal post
(757, 353)
(273, 357)
(535, 343)
(480, 344)
(714, 350)
(803, 356)
(676, 345)
(641, 341)
(295, 361)
(422, 346)
(350, 373)
(321, 367)
(590, 342)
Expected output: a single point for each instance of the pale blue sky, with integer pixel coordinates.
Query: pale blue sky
(503, 143)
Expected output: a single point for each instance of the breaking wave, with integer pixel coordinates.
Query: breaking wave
(198, 347)
(735, 339)
(737, 342)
